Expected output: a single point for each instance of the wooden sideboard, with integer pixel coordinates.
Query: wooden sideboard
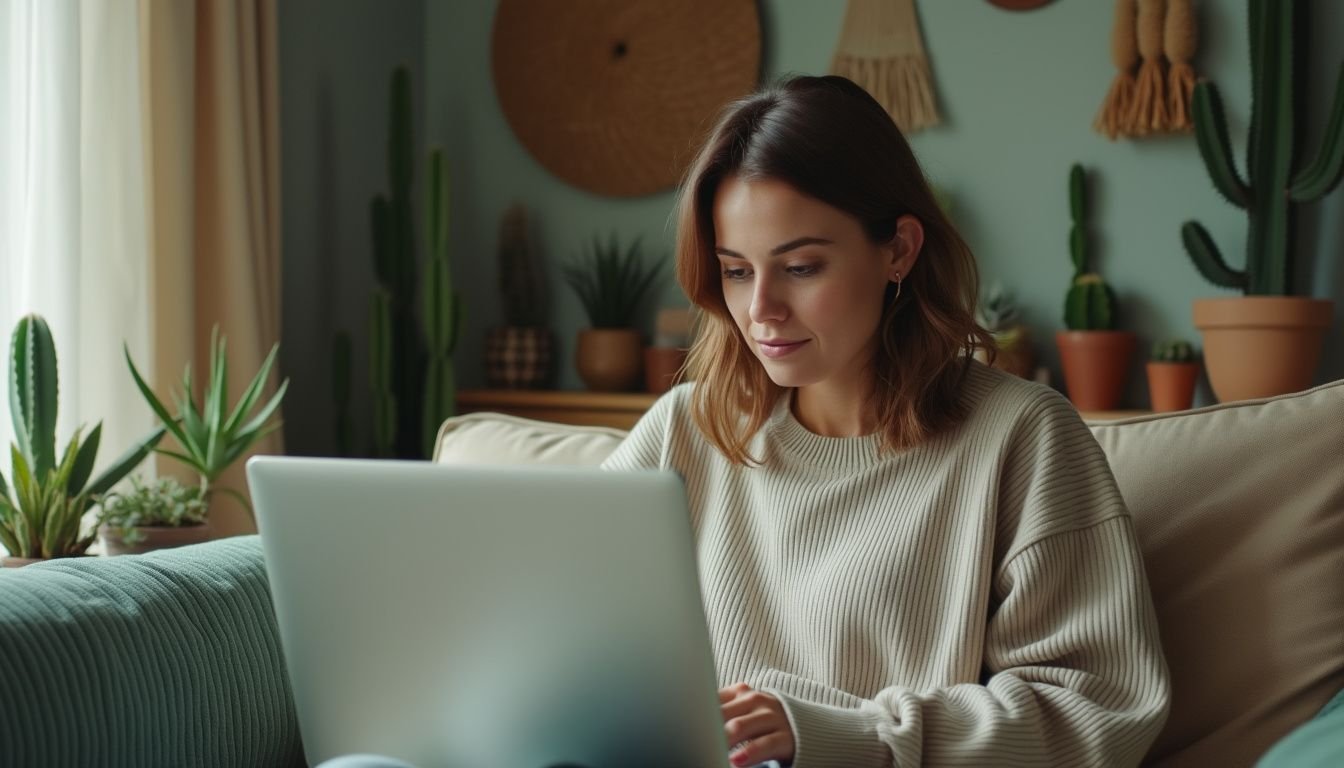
(607, 409)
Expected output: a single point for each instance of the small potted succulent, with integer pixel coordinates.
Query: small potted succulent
(1094, 355)
(611, 284)
(997, 313)
(48, 493)
(157, 515)
(1172, 372)
(520, 353)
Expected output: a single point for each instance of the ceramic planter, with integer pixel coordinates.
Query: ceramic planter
(1096, 365)
(1171, 386)
(1261, 346)
(662, 368)
(609, 359)
(153, 537)
(18, 562)
(519, 358)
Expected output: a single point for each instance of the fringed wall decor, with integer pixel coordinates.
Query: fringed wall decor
(1161, 34)
(1180, 43)
(881, 50)
(1114, 116)
(1148, 113)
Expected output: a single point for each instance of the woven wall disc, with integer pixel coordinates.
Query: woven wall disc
(614, 95)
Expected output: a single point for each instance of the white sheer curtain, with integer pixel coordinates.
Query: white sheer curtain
(72, 206)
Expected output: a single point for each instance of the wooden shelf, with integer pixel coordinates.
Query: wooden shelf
(609, 409)
(604, 409)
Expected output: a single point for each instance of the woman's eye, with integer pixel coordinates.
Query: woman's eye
(804, 270)
(734, 273)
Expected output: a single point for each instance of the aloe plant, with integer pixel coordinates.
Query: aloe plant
(42, 515)
(610, 284)
(1274, 186)
(1090, 303)
(211, 435)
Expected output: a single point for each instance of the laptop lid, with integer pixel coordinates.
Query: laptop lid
(489, 616)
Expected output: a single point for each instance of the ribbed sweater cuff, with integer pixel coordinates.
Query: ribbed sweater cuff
(826, 736)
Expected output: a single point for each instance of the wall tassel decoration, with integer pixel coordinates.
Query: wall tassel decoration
(1180, 43)
(1114, 115)
(1148, 113)
(881, 50)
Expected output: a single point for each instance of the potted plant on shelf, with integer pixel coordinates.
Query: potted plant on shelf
(611, 284)
(997, 313)
(1268, 341)
(211, 436)
(158, 515)
(1172, 372)
(520, 353)
(41, 515)
(1094, 355)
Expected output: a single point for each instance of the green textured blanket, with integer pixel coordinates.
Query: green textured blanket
(165, 659)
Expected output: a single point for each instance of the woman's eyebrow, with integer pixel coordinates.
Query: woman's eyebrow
(778, 249)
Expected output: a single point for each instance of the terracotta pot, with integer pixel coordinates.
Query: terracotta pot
(18, 562)
(154, 537)
(1171, 386)
(1261, 346)
(609, 359)
(662, 368)
(519, 358)
(1096, 364)
(1015, 354)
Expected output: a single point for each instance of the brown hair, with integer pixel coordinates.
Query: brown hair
(830, 140)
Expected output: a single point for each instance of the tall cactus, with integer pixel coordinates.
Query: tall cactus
(440, 309)
(1273, 187)
(410, 355)
(1090, 303)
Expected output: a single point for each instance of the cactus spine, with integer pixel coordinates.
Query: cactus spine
(1272, 188)
(1090, 304)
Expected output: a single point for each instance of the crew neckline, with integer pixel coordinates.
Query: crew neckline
(808, 446)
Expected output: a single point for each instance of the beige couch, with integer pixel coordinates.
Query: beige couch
(1240, 512)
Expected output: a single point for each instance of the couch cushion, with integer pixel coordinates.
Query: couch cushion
(1239, 509)
(165, 659)
(493, 438)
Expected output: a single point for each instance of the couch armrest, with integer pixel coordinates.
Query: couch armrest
(169, 658)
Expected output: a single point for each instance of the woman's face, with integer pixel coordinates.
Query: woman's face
(803, 282)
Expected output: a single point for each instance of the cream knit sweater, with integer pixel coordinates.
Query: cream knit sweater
(979, 600)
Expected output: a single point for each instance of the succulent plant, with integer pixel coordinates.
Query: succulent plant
(1090, 303)
(1173, 351)
(1274, 185)
(163, 502)
(42, 515)
(997, 309)
(610, 284)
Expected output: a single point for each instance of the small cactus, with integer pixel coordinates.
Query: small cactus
(1090, 304)
(1173, 351)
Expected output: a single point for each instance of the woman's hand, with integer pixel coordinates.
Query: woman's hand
(756, 726)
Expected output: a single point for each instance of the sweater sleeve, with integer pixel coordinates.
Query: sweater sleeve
(646, 446)
(1073, 672)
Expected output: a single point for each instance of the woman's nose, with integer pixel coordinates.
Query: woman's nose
(766, 303)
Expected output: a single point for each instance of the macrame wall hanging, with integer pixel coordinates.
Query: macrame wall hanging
(881, 50)
(1158, 37)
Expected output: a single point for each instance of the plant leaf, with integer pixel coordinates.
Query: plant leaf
(252, 394)
(153, 400)
(125, 463)
(84, 463)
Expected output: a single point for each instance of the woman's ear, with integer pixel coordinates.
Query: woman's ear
(905, 247)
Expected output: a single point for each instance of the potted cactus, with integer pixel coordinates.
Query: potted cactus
(1172, 371)
(42, 514)
(1094, 355)
(997, 313)
(1268, 341)
(611, 285)
(520, 353)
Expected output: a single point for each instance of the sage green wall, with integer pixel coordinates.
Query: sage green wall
(1017, 91)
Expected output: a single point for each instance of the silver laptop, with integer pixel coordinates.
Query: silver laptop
(488, 616)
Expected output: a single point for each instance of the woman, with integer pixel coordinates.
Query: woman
(906, 557)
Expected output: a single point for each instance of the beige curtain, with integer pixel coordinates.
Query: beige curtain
(213, 175)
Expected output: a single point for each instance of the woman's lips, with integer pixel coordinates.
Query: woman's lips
(778, 348)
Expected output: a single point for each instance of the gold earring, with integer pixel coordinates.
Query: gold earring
(898, 288)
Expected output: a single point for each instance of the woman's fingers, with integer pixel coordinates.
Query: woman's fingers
(775, 746)
(751, 726)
